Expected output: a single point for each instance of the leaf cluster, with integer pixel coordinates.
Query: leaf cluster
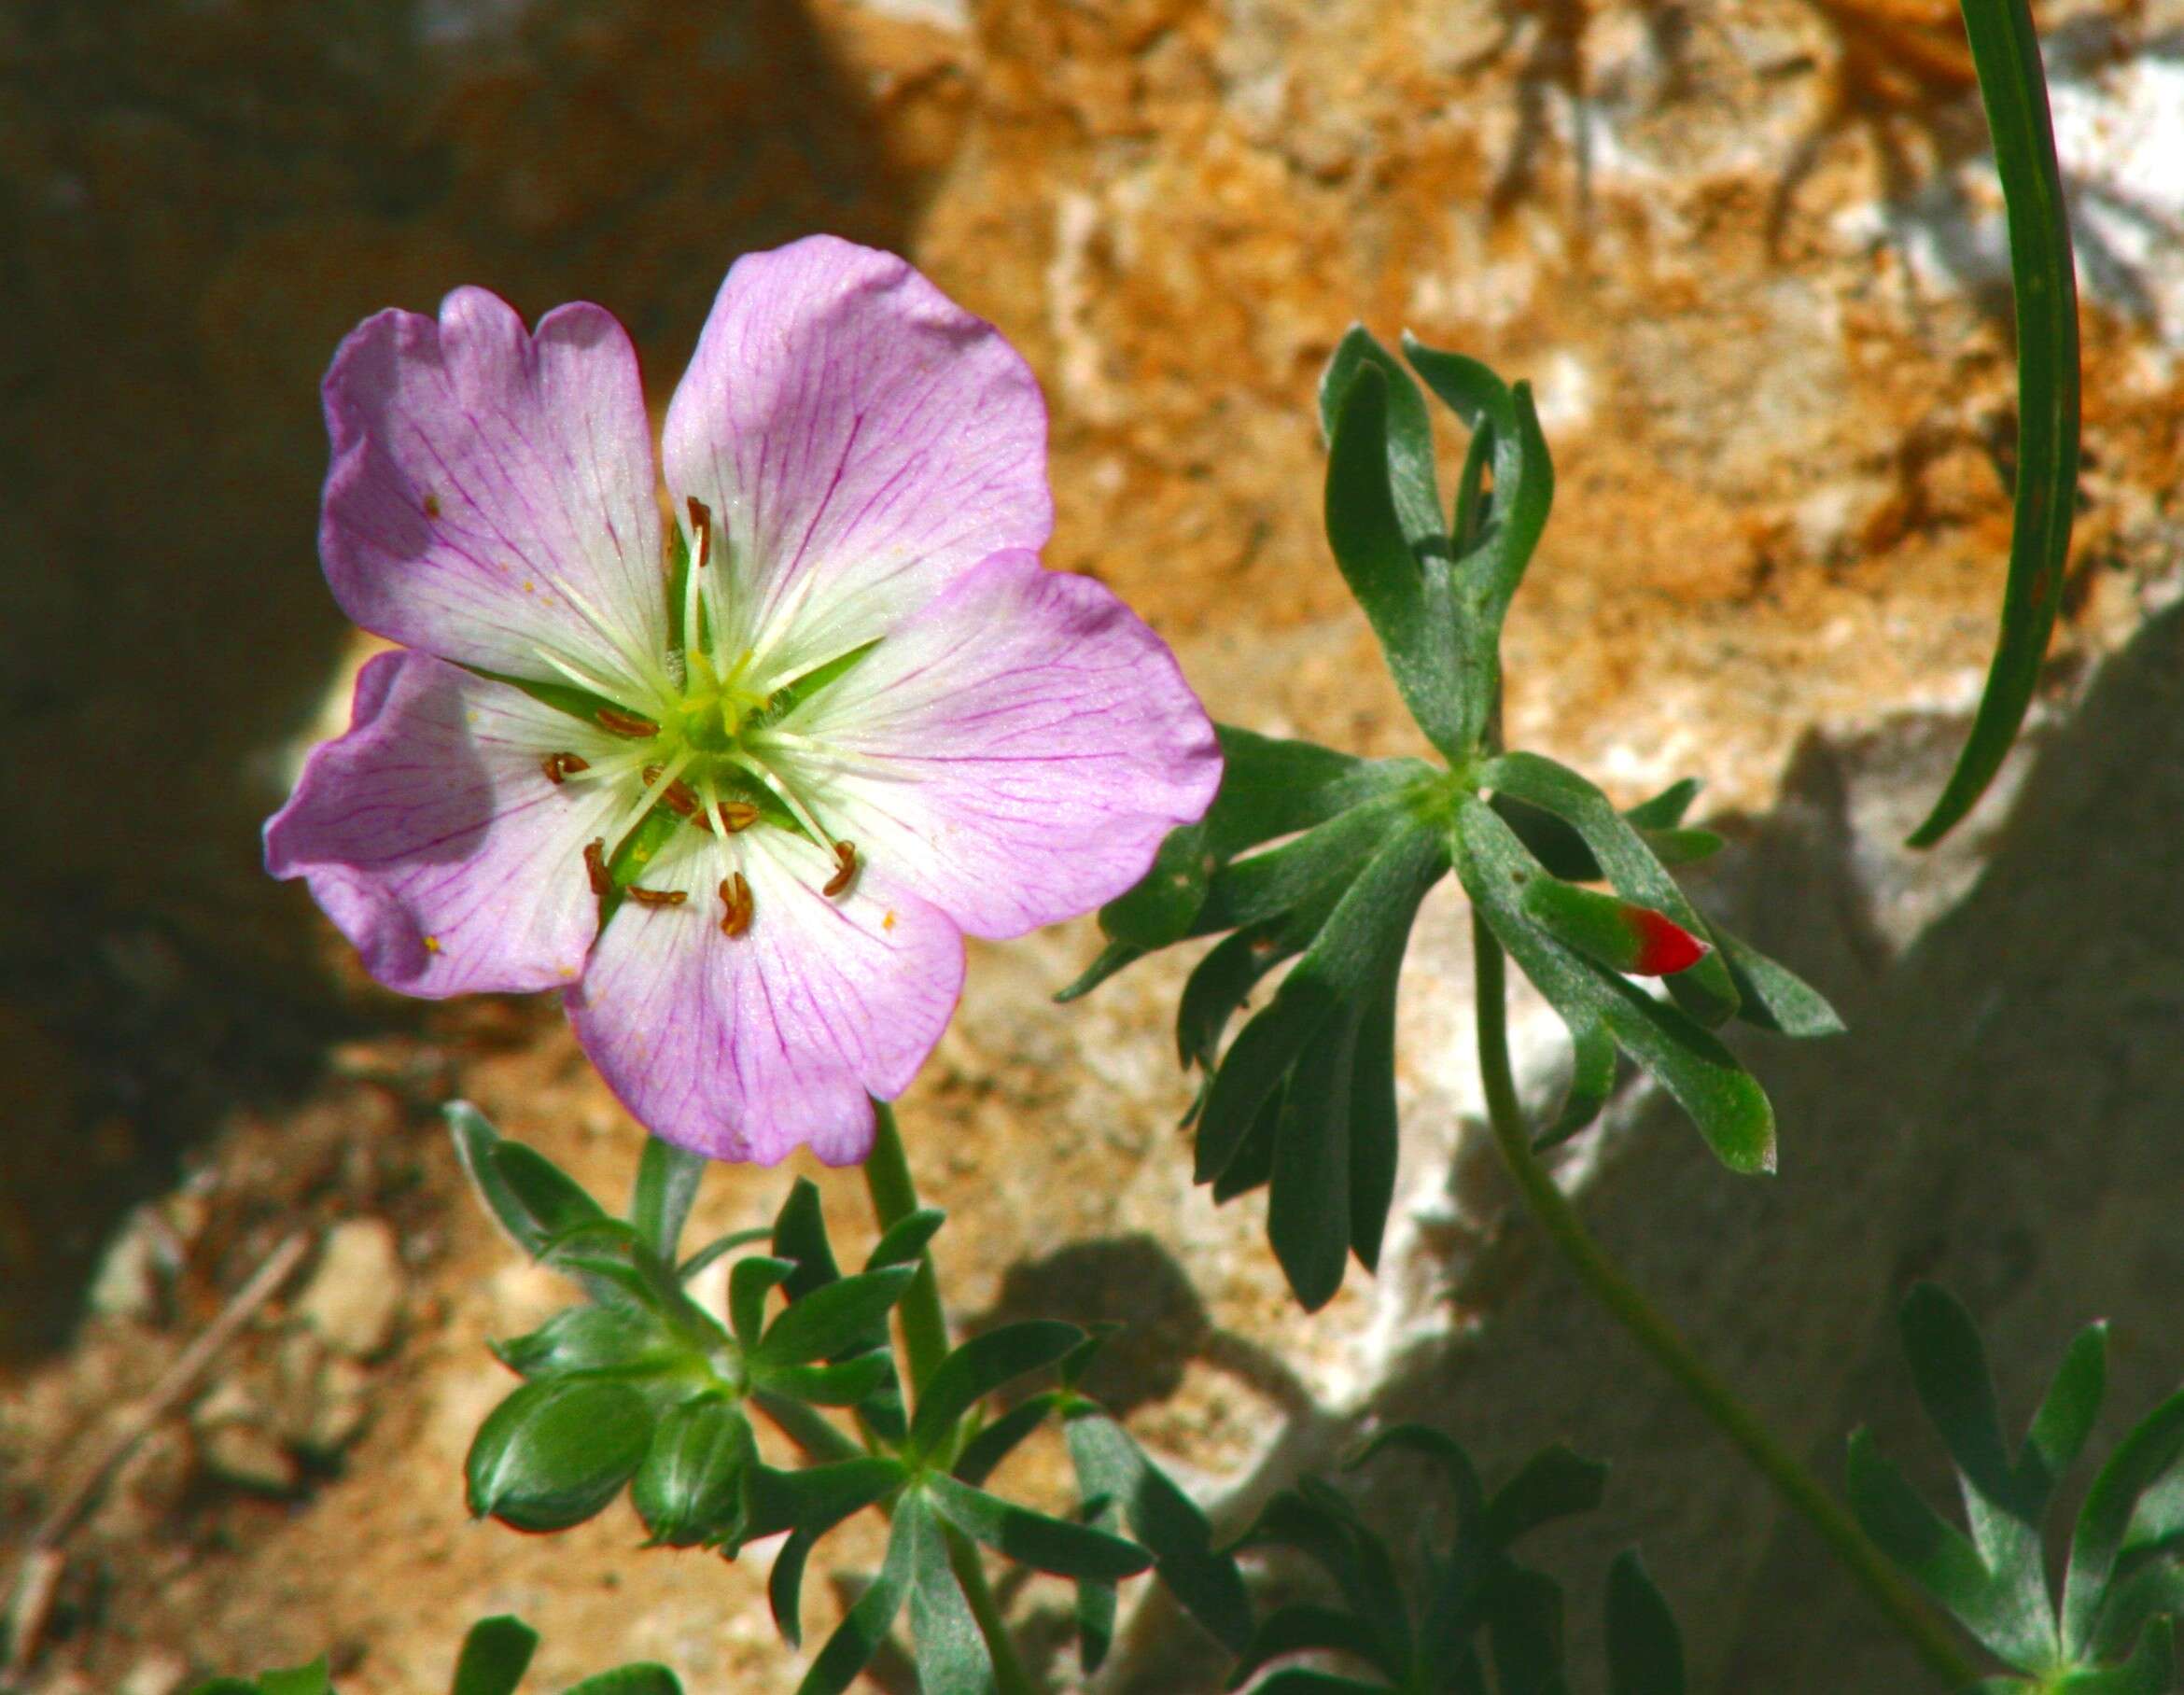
(1480, 1620)
(2110, 1631)
(1316, 860)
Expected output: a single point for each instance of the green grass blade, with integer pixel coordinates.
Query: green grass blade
(2007, 53)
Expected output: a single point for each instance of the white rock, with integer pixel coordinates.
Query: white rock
(355, 1298)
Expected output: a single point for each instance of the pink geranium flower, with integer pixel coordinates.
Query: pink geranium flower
(869, 724)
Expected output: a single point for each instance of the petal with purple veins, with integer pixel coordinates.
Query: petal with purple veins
(860, 439)
(1015, 752)
(432, 836)
(493, 494)
(748, 1047)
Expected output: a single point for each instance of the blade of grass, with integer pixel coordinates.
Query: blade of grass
(2007, 54)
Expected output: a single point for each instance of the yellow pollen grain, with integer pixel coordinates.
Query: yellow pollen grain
(888, 922)
(431, 944)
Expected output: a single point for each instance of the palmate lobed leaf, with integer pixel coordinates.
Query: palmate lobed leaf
(495, 1655)
(1032, 1538)
(666, 1188)
(977, 1368)
(2154, 1445)
(1411, 481)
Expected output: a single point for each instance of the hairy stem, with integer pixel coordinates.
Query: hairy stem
(1653, 1332)
(925, 1342)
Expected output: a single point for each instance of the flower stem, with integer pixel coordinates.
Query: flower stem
(1653, 1332)
(925, 1342)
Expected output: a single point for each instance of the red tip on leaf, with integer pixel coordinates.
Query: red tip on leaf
(1664, 946)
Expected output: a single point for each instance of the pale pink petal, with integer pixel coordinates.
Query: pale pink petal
(860, 439)
(748, 1047)
(1015, 752)
(433, 839)
(492, 494)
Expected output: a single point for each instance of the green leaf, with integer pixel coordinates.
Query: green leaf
(553, 1454)
(907, 1239)
(1115, 957)
(1372, 919)
(849, 1315)
(475, 1140)
(642, 1679)
(1308, 1211)
(1268, 788)
(1705, 991)
(2152, 1669)
(800, 1234)
(594, 1340)
(1524, 1624)
(1645, 1649)
(227, 1686)
(1318, 1522)
(1722, 1099)
(1409, 608)
(814, 1501)
(2154, 1591)
(1442, 1449)
(1302, 1680)
(1592, 1080)
(1410, 433)
(1940, 1560)
(1948, 1369)
(951, 1654)
(1205, 1581)
(1375, 1141)
(2158, 1523)
(1555, 1483)
(1524, 474)
(2006, 52)
(1219, 983)
(996, 1441)
(1310, 867)
(1618, 933)
(2066, 1412)
(553, 1197)
(1772, 996)
(311, 1679)
(689, 1492)
(844, 1383)
(1031, 1538)
(977, 1368)
(866, 1624)
(1664, 811)
(2155, 1444)
(749, 1281)
(720, 1245)
(666, 1183)
(1253, 1166)
(1302, 1628)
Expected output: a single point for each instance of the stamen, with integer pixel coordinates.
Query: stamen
(560, 767)
(677, 797)
(657, 896)
(804, 748)
(643, 664)
(626, 724)
(735, 817)
(846, 858)
(701, 527)
(595, 865)
(736, 897)
(577, 674)
(777, 621)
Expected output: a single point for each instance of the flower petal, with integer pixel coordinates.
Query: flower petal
(1029, 741)
(431, 836)
(860, 439)
(748, 1047)
(493, 494)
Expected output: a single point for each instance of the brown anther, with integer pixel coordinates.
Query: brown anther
(595, 865)
(560, 767)
(736, 897)
(657, 896)
(677, 796)
(737, 814)
(626, 724)
(432, 506)
(701, 527)
(845, 863)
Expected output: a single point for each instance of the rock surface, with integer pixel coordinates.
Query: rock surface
(1749, 255)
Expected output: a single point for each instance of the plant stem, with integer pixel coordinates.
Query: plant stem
(1653, 1332)
(925, 1342)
